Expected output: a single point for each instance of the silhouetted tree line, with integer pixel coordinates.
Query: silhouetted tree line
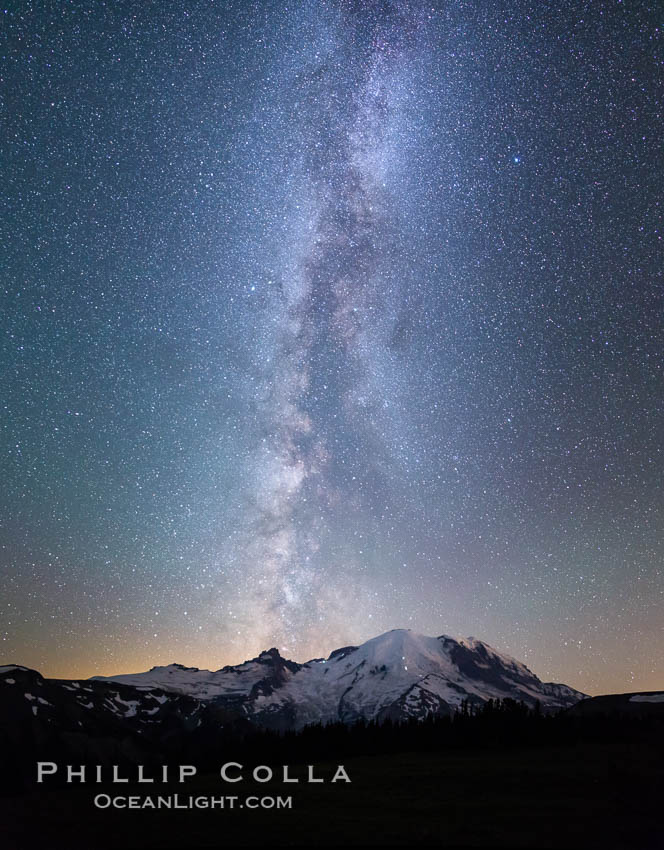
(497, 724)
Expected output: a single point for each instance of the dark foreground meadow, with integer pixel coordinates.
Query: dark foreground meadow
(507, 778)
(584, 796)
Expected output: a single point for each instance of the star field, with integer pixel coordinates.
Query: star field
(325, 318)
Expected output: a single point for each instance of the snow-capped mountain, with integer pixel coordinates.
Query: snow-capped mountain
(397, 675)
(169, 712)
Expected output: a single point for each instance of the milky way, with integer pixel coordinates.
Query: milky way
(325, 318)
(331, 322)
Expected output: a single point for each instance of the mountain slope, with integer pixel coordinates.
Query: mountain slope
(633, 704)
(396, 675)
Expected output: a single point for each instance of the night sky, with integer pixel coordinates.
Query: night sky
(324, 318)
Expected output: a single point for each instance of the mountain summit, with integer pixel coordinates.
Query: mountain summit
(397, 675)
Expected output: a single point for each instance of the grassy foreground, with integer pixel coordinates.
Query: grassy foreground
(586, 796)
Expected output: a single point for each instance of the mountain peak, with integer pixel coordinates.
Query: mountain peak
(172, 667)
(397, 674)
(270, 654)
